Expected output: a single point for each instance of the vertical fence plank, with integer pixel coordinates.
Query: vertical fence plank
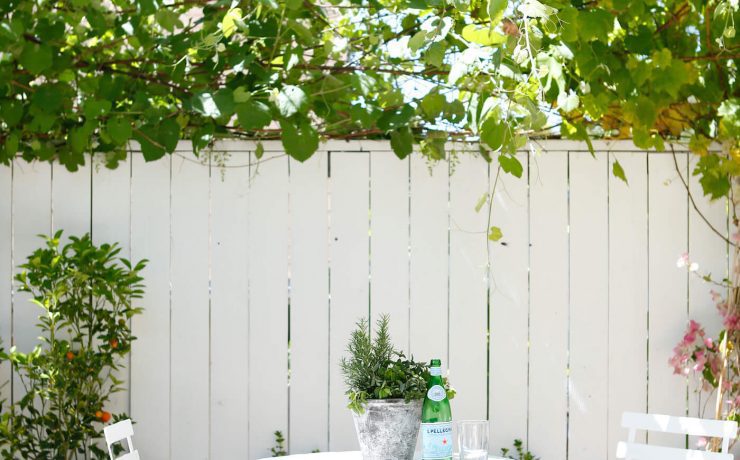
(589, 314)
(71, 200)
(309, 305)
(349, 176)
(509, 304)
(111, 223)
(268, 304)
(668, 301)
(548, 304)
(150, 353)
(389, 243)
(6, 278)
(628, 294)
(710, 251)
(32, 216)
(190, 309)
(468, 289)
(229, 308)
(429, 259)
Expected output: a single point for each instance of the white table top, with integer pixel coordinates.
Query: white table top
(338, 456)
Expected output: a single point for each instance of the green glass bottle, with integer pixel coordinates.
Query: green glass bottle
(436, 418)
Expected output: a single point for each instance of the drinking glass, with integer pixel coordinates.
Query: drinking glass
(472, 439)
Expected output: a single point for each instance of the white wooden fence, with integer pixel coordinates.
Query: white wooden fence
(257, 275)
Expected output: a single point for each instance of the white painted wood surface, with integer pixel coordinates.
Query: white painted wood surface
(309, 305)
(268, 303)
(627, 382)
(111, 223)
(668, 306)
(151, 365)
(389, 243)
(236, 261)
(191, 310)
(509, 307)
(348, 258)
(549, 308)
(589, 299)
(429, 261)
(468, 281)
(229, 339)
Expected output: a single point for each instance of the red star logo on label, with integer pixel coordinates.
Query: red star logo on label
(444, 441)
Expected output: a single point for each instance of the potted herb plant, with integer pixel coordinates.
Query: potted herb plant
(386, 391)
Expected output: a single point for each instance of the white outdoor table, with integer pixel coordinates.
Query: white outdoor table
(339, 456)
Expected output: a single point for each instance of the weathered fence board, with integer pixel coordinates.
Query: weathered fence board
(668, 304)
(628, 294)
(549, 309)
(229, 336)
(258, 272)
(151, 373)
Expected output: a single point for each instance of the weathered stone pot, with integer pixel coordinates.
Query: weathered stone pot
(388, 428)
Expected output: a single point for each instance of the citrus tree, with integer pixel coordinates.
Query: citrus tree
(84, 77)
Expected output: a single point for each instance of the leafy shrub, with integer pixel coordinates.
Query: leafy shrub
(85, 294)
(376, 370)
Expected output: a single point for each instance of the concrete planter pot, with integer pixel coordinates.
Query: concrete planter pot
(388, 428)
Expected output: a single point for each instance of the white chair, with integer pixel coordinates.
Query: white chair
(631, 450)
(117, 433)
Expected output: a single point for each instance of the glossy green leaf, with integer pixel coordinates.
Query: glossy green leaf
(253, 115)
(495, 234)
(402, 142)
(36, 58)
(618, 171)
(482, 35)
(291, 100)
(300, 139)
(119, 129)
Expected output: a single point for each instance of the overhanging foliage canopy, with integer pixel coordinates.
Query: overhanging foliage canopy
(88, 76)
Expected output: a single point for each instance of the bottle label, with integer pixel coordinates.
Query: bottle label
(437, 393)
(435, 371)
(436, 440)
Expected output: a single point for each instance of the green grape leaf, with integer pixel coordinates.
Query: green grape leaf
(291, 100)
(482, 35)
(618, 171)
(253, 115)
(36, 57)
(511, 165)
(402, 142)
(119, 129)
(495, 234)
(300, 139)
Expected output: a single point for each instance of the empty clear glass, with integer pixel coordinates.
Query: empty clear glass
(472, 439)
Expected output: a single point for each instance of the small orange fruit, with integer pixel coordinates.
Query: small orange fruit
(98, 415)
(114, 343)
(105, 417)
(70, 356)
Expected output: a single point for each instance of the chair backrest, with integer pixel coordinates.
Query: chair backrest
(117, 433)
(727, 430)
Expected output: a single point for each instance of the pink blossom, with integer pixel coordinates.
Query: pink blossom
(701, 442)
(683, 260)
(708, 342)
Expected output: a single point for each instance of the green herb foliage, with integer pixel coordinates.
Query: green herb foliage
(376, 370)
(84, 293)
